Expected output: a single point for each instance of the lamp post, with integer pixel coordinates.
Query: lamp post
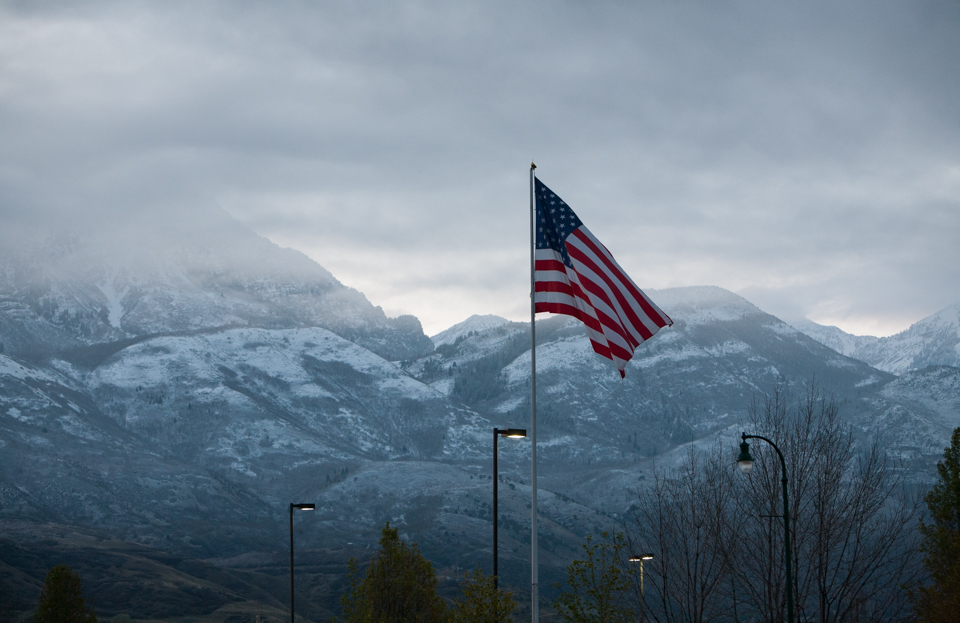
(745, 461)
(640, 558)
(302, 507)
(511, 433)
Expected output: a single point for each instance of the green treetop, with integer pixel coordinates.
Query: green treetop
(482, 602)
(940, 601)
(61, 599)
(400, 586)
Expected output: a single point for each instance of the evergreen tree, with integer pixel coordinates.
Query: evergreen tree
(940, 601)
(482, 603)
(400, 586)
(61, 599)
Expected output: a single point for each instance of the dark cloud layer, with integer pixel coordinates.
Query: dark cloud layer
(806, 155)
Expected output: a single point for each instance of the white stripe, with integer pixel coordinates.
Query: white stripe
(643, 317)
(615, 314)
(550, 275)
(587, 307)
(601, 338)
(621, 314)
(640, 313)
(593, 303)
(565, 299)
(555, 297)
(548, 254)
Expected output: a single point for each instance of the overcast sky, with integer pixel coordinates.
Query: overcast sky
(805, 155)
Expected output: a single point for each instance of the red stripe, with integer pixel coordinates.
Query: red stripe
(610, 323)
(616, 290)
(606, 257)
(602, 295)
(568, 310)
(585, 318)
(619, 352)
(608, 350)
(598, 291)
(603, 323)
(605, 350)
(600, 349)
(567, 287)
(553, 286)
(545, 265)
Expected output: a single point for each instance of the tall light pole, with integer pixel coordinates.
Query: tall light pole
(511, 433)
(640, 558)
(745, 461)
(302, 507)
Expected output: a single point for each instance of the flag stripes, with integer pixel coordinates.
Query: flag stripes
(575, 275)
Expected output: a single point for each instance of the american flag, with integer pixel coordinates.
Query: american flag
(575, 275)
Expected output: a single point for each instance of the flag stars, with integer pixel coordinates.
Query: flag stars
(554, 222)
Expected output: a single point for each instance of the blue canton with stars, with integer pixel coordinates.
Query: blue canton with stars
(555, 221)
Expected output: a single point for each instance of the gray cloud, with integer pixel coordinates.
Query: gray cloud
(810, 151)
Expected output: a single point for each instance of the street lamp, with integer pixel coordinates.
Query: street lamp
(302, 507)
(745, 461)
(510, 433)
(640, 558)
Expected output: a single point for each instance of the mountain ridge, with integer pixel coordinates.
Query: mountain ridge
(194, 437)
(931, 341)
(57, 294)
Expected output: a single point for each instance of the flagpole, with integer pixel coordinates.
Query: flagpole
(534, 557)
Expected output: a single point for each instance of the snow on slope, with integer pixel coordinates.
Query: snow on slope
(936, 388)
(834, 337)
(99, 287)
(250, 396)
(699, 305)
(474, 323)
(10, 367)
(933, 341)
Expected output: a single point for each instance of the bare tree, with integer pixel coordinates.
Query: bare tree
(682, 513)
(718, 535)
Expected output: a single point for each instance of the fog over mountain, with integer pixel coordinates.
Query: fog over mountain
(806, 152)
(140, 275)
(171, 386)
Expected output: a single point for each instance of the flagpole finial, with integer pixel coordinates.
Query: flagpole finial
(532, 166)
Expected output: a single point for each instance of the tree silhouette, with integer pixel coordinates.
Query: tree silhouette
(400, 586)
(940, 601)
(61, 599)
(482, 602)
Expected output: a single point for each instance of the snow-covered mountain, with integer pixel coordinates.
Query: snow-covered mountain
(472, 324)
(834, 337)
(692, 380)
(78, 289)
(182, 394)
(933, 341)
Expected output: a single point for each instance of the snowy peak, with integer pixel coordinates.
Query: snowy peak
(699, 305)
(834, 337)
(946, 322)
(93, 287)
(933, 341)
(475, 323)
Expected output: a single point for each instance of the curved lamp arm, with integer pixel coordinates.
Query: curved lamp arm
(746, 464)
